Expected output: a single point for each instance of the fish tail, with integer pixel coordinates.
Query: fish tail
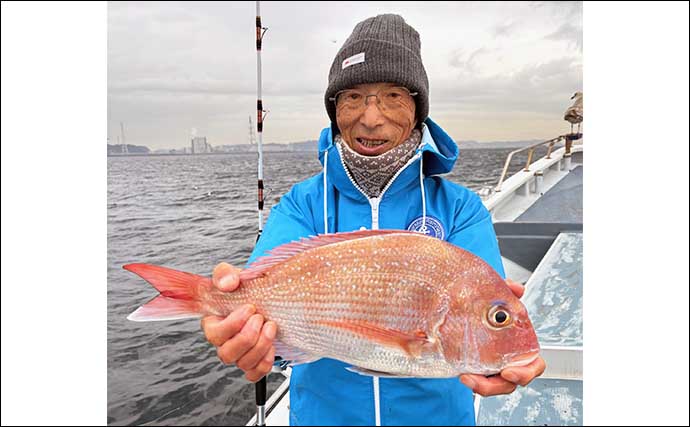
(179, 293)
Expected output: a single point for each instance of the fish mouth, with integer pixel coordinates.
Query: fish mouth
(523, 359)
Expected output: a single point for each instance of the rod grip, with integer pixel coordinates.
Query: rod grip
(260, 387)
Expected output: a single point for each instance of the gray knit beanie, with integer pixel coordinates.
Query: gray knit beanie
(380, 49)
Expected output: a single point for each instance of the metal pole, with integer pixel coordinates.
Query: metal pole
(529, 159)
(566, 156)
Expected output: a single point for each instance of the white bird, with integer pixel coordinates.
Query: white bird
(573, 114)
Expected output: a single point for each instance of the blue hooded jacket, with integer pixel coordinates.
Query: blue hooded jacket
(324, 392)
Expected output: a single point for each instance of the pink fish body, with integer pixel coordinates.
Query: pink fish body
(388, 302)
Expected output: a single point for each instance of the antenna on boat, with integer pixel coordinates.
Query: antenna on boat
(260, 386)
(124, 145)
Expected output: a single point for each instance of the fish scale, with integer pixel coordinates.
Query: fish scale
(370, 293)
(387, 301)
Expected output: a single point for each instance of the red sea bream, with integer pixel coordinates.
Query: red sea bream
(388, 302)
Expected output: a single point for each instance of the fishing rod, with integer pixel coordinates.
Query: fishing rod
(260, 386)
(260, 31)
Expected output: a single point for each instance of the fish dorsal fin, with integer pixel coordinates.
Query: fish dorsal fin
(283, 252)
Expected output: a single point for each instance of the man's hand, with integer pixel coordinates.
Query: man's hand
(509, 378)
(242, 337)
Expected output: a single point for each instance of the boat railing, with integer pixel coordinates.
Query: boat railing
(531, 148)
(532, 180)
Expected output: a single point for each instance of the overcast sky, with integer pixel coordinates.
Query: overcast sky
(497, 71)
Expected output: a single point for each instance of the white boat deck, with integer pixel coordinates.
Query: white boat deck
(522, 190)
(545, 402)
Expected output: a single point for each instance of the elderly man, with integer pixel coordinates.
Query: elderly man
(382, 157)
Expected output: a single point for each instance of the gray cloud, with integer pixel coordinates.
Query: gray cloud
(543, 88)
(569, 33)
(560, 10)
(175, 66)
(505, 30)
(456, 58)
(175, 87)
(468, 63)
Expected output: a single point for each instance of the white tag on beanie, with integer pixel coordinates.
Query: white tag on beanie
(354, 59)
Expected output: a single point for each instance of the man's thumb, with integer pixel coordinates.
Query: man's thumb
(226, 277)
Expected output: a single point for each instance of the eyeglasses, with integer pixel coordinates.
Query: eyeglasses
(390, 98)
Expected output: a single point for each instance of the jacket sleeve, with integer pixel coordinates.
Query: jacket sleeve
(287, 222)
(474, 231)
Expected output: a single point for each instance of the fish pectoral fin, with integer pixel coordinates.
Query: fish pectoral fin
(293, 355)
(412, 343)
(370, 373)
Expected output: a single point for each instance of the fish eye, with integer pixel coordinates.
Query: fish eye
(498, 316)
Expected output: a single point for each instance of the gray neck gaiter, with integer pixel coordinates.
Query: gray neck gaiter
(372, 173)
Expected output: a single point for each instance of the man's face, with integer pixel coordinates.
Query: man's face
(373, 125)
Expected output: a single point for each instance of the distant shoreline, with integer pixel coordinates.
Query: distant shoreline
(199, 154)
(461, 148)
(270, 148)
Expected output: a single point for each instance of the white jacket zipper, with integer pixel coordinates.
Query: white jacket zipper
(375, 201)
